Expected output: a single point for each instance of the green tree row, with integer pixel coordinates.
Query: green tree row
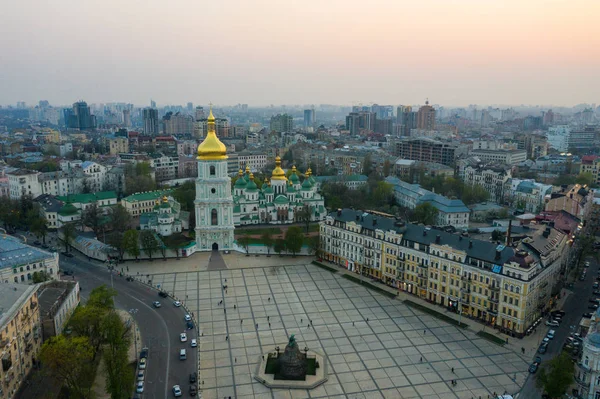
(292, 242)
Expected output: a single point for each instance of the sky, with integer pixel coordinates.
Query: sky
(261, 52)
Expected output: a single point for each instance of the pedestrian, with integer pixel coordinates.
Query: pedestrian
(309, 326)
(225, 291)
(301, 321)
(225, 280)
(257, 326)
(234, 306)
(424, 332)
(269, 325)
(224, 310)
(227, 338)
(421, 360)
(235, 359)
(353, 323)
(241, 321)
(452, 370)
(268, 318)
(269, 300)
(367, 319)
(263, 357)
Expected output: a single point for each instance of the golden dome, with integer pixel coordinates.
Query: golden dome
(308, 172)
(241, 173)
(278, 173)
(165, 199)
(212, 149)
(247, 169)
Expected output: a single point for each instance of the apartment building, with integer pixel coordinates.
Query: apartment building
(256, 161)
(23, 182)
(18, 261)
(139, 203)
(49, 208)
(58, 300)
(527, 195)
(508, 157)
(118, 145)
(492, 177)
(165, 167)
(95, 175)
(503, 286)
(20, 335)
(61, 182)
(576, 200)
(426, 149)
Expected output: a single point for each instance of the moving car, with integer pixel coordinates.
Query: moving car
(177, 304)
(190, 325)
(156, 304)
(187, 317)
(142, 364)
(162, 294)
(551, 334)
(183, 337)
(176, 391)
(194, 343)
(193, 377)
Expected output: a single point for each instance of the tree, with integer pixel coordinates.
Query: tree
(367, 165)
(119, 379)
(387, 167)
(279, 246)
(102, 297)
(294, 238)
(39, 227)
(92, 218)
(304, 215)
(474, 194)
(149, 244)
(383, 194)
(40, 277)
(120, 219)
(131, 243)
(267, 240)
(426, 213)
(86, 187)
(244, 241)
(556, 376)
(116, 239)
(585, 178)
(314, 243)
(69, 234)
(69, 360)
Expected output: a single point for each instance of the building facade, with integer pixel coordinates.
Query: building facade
(424, 149)
(426, 117)
(165, 219)
(492, 177)
(214, 202)
(508, 157)
(505, 287)
(139, 203)
(58, 300)
(20, 335)
(23, 182)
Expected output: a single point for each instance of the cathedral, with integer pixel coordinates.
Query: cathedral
(214, 202)
(279, 201)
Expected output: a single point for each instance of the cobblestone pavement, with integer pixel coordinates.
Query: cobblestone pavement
(377, 347)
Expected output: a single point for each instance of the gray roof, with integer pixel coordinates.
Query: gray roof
(12, 297)
(49, 203)
(482, 250)
(14, 253)
(52, 295)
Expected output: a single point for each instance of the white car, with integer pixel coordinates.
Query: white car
(140, 375)
(552, 323)
(188, 317)
(142, 365)
(177, 304)
(183, 337)
(140, 387)
(176, 390)
(194, 343)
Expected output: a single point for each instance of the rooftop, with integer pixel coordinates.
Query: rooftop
(14, 253)
(12, 297)
(147, 196)
(88, 198)
(52, 295)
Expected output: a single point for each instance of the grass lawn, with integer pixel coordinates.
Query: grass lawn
(176, 241)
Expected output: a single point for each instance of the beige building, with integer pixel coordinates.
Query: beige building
(139, 203)
(20, 335)
(118, 145)
(19, 262)
(505, 287)
(58, 300)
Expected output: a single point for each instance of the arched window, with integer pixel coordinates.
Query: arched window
(213, 217)
(212, 170)
(28, 276)
(22, 277)
(16, 279)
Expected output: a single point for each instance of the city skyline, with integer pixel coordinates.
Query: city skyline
(336, 52)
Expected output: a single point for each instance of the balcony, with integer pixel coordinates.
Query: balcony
(494, 287)
(465, 278)
(492, 299)
(492, 311)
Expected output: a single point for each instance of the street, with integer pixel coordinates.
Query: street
(159, 328)
(575, 306)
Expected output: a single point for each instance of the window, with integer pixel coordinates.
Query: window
(213, 217)
(212, 170)
(212, 190)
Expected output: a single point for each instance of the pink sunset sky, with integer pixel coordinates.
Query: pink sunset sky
(260, 52)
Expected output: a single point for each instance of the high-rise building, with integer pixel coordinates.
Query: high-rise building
(190, 107)
(152, 104)
(282, 123)
(221, 125)
(406, 119)
(126, 118)
(359, 121)
(80, 117)
(150, 117)
(426, 117)
(199, 113)
(309, 118)
(178, 124)
(383, 111)
(427, 150)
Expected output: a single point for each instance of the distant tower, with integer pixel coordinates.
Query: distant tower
(426, 117)
(126, 118)
(214, 202)
(152, 104)
(150, 116)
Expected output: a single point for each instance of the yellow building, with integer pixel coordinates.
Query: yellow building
(20, 335)
(504, 286)
(139, 203)
(118, 145)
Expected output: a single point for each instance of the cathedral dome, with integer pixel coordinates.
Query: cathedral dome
(212, 149)
(278, 173)
(241, 181)
(306, 185)
(251, 186)
(294, 176)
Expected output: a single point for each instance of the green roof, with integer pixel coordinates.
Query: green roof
(237, 209)
(294, 178)
(88, 198)
(281, 199)
(240, 183)
(268, 189)
(68, 210)
(306, 185)
(147, 196)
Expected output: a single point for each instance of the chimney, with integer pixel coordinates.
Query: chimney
(438, 239)
(508, 233)
(470, 244)
(497, 255)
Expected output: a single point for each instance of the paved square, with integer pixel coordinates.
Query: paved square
(377, 347)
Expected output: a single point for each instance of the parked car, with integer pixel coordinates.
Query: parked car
(190, 325)
(587, 315)
(538, 359)
(193, 377)
(543, 348)
(193, 343)
(193, 390)
(587, 263)
(129, 278)
(533, 368)
(593, 306)
(162, 294)
(596, 292)
(187, 317)
(144, 353)
(142, 364)
(596, 284)
(558, 312)
(140, 387)
(552, 323)
(140, 375)
(156, 304)
(177, 304)
(176, 391)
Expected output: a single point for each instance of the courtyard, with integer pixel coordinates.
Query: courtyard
(377, 347)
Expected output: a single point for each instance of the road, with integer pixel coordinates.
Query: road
(159, 328)
(574, 307)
